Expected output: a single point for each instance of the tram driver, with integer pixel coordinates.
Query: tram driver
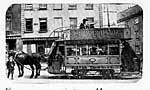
(59, 58)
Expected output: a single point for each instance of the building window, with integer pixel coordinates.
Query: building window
(72, 7)
(58, 22)
(89, 7)
(8, 23)
(90, 22)
(57, 6)
(136, 21)
(90, 19)
(29, 27)
(43, 24)
(28, 6)
(42, 6)
(73, 22)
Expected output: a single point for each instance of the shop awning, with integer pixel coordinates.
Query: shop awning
(39, 38)
(13, 37)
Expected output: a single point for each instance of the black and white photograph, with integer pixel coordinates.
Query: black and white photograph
(74, 41)
(74, 46)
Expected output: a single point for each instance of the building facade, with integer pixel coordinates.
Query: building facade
(110, 11)
(40, 20)
(133, 19)
(36, 22)
(13, 27)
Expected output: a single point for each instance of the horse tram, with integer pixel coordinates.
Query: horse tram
(95, 52)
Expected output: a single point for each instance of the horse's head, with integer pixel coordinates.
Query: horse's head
(11, 53)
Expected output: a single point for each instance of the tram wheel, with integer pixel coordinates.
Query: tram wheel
(107, 74)
(112, 74)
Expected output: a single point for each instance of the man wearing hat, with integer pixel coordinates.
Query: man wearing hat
(83, 25)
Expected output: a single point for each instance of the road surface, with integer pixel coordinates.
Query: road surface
(46, 78)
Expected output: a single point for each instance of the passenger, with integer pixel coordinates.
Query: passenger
(59, 57)
(93, 51)
(100, 51)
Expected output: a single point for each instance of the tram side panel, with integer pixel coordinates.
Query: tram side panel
(77, 61)
(93, 63)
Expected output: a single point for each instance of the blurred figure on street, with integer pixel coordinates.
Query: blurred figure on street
(10, 67)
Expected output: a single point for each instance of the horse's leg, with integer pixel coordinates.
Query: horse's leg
(19, 70)
(38, 68)
(8, 74)
(32, 68)
(36, 71)
(12, 75)
(22, 67)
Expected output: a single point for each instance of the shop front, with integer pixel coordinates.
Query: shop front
(37, 45)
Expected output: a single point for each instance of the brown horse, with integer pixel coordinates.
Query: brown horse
(22, 59)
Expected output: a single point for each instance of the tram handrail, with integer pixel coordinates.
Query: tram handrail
(52, 47)
(60, 30)
(54, 44)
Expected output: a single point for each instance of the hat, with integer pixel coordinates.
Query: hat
(85, 20)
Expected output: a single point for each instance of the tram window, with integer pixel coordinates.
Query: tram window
(71, 51)
(84, 51)
(102, 50)
(113, 51)
(78, 51)
(93, 51)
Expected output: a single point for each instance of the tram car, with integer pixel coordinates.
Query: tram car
(89, 52)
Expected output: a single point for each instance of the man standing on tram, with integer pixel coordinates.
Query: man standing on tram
(84, 24)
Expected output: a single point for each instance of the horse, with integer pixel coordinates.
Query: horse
(22, 59)
(128, 56)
